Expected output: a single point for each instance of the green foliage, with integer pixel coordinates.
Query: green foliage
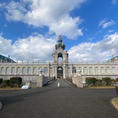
(91, 81)
(15, 81)
(6, 82)
(117, 90)
(1, 80)
(98, 82)
(106, 81)
(116, 80)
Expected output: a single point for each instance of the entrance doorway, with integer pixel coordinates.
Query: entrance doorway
(60, 72)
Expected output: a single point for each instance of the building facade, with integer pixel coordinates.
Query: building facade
(60, 67)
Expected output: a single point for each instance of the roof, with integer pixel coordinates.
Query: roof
(6, 59)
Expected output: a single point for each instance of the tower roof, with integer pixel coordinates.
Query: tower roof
(60, 44)
(59, 39)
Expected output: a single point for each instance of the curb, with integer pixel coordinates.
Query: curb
(1, 105)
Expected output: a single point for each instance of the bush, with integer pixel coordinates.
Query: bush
(15, 81)
(117, 90)
(1, 80)
(91, 81)
(3, 85)
(106, 81)
(116, 80)
(98, 82)
(6, 82)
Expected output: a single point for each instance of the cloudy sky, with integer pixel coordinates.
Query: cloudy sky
(29, 29)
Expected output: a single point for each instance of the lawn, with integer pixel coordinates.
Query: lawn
(115, 102)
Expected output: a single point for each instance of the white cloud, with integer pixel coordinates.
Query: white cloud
(38, 47)
(30, 48)
(51, 13)
(95, 52)
(105, 23)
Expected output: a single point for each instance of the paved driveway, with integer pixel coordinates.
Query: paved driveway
(67, 101)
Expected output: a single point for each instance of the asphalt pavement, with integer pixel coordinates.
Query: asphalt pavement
(65, 101)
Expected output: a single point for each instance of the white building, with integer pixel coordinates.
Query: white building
(59, 67)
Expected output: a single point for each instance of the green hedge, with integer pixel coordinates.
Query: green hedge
(16, 81)
(117, 90)
(1, 80)
(13, 82)
(106, 81)
(91, 81)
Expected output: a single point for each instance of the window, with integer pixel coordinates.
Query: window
(45, 70)
(107, 70)
(2, 70)
(96, 70)
(13, 70)
(73, 69)
(90, 69)
(113, 69)
(85, 70)
(29, 70)
(18, 70)
(7, 70)
(60, 57)
(24, 70)
(34, 70)
(102, 70)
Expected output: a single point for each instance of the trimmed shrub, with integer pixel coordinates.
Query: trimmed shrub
(6, 82)
(91, 81)
(116, 80)
(106, 81)
(15, 81)
(117, 90)
(98, 82)
(1, 80)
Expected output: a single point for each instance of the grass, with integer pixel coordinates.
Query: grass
(115, 102)
(102, 87)
(9, 88)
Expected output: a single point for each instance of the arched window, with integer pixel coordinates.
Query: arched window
(90, 70)
(73, 69)
(24, 70)
(29, 70)
(34, 70)
(85, 70)
(96, 70)
(60, 57)
(18, 70)
(107, 70)
(2, 70)
(7, 70)
(13, 70)
(102, 70)
(45, 70)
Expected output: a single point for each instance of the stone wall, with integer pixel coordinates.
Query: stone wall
(35, 81)
(78, 81)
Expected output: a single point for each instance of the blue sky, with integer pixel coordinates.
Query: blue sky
(88, 28)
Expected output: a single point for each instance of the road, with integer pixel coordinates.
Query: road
(65, 101)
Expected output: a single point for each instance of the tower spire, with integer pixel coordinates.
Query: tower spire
(60, 44)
